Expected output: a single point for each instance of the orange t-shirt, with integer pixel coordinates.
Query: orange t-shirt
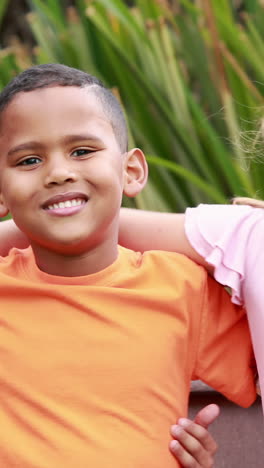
(95, 369)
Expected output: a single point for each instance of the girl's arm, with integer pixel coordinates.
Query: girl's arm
(148, 230)
(139, 230)
(11, 236)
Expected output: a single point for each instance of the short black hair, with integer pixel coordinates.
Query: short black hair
(54, 74)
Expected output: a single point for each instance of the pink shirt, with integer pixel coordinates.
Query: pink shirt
(231, 239)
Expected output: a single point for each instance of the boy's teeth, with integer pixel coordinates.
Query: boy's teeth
(66, 204)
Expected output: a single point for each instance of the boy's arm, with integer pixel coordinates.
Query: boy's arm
(223, 343)
(11, 236)
(192, 444)
(148, 230)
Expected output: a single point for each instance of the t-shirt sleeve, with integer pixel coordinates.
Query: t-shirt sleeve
(224, 358)
(220, 234)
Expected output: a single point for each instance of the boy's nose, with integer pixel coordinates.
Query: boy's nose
(59, 174)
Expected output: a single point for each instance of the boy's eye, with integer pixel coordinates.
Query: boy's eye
(29, 161)
(81, 152)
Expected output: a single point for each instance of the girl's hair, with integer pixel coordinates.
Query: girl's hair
(248, 201)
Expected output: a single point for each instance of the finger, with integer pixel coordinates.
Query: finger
(207, 415)
(198, 433)
(193, 445)
(184, 458)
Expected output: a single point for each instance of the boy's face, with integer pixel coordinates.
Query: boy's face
(62, 173)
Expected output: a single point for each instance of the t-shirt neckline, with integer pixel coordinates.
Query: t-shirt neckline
(102, 277)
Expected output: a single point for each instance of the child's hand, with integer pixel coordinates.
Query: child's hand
(192, 444)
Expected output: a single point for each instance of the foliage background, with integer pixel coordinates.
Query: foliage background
(189, 74)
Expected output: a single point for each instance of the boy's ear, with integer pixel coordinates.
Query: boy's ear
(135, 172)
(3, 208)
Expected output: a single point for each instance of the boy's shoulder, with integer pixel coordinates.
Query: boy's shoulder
(164, 274)
(13, 262)
(160, 262)
(15, 255)
(164, 256)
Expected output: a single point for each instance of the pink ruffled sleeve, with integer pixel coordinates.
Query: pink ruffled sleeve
(220, 234)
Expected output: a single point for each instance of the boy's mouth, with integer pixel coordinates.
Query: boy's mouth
(65, 200)
(66, 204)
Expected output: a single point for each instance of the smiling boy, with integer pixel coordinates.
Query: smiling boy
(99, 343)
(62, 158)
